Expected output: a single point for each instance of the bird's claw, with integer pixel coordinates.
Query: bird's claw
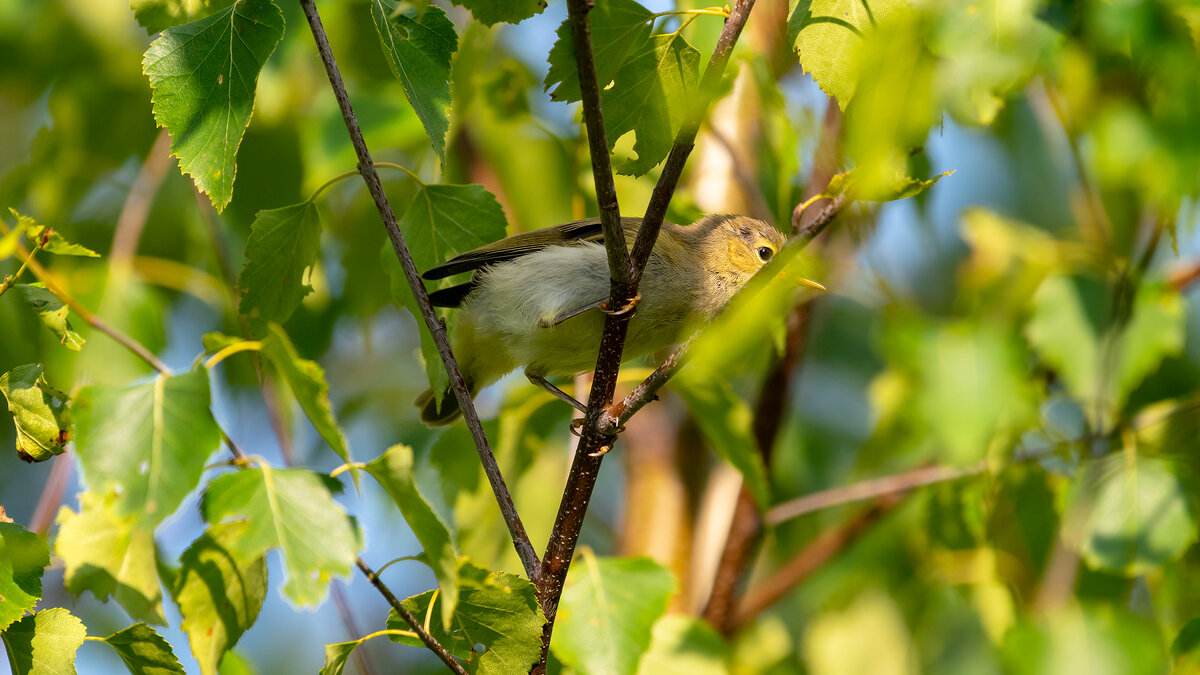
(626, 311)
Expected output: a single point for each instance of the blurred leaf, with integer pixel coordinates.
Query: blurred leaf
(394, 471)
(292, 510)
(650, 96)
(728, 423)
(55, 242)
(156, 15)
(496, 610)
(869, 637)
(10, 240)
(1185, 649)
(283, 246)
(1130, 514)
(109, 555)
(608, 610)
(44, 643)
(149, 442)
(441, 222)
(1061, 331)
(307, 382)
(419, 46)
(203, 75)
(618, 28)
(826, 35)
(218, 592)
(39, 411)
(1080, 640)
(684, 645)
(24, 557)
(1155, 331)
(492, 12)
(902, 187)
(52, 312)
(144, 651)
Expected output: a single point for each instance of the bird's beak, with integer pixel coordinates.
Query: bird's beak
(812, 284)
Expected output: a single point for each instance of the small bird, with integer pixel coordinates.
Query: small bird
(538, 299)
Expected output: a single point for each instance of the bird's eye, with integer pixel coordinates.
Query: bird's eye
(765, 253)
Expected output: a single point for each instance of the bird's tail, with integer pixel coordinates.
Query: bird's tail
(438, 416)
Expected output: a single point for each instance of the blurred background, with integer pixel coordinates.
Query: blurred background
(1027, 325)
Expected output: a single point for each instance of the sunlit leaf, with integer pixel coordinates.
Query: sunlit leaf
(618, 28)
(52, 312)
(419, 45)
(608, 610)
(282, 247)
(495, 11)
(685, 645)
(203, 75)
(292, 510)
(157, 15)
(109, 555)
(337, 655)
(867, 637)
(55, 242)
(39, 412)
(218, 592)
(1077, 639)
(1130, 515)
(650, 97)
(441, 222)
(148, 441)
(394, 471)
(144, 651)
(24, 557)
(728, 423)
(496, 610)
(10, 240)
(44, 643)
(826, 35)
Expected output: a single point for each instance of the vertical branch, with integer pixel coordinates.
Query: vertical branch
(367, 168)
(594, 442)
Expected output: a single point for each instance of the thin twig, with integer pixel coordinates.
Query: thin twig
(411, 620)
(136, 209)
(593, 443)
(516, 529)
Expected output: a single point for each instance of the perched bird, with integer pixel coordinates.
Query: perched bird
(537, 299)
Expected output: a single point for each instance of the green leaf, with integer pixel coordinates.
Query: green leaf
(608, 610)
(826, 35)
(618, 27)
(55, 242)
(684, 645)
(728, 423)
(649, 96)
(1185, 649)
(419, 46)
(1061, 331)
(491, 12)
(44, 643)
(219, 593)
(292, 510)
(283, 246)
(1130, 514)
(441, 222)
(868, 636)
(144, 651)
(1101, 641)
(497, 610)
(1155, 331)
(24, 557)
(394, 471)
(156, 15)
(147, 441)
(337, 655)
(203, 75)
(39, 412)
(52, 312)
(307, 382)
(107, 554)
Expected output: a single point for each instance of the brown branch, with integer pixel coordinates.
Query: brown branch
(594, 442)
(436, 328)
(408, 617)
(810, 559)
(136, 209)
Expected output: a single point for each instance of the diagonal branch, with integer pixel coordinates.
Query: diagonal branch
(594, 441)
(515, 528)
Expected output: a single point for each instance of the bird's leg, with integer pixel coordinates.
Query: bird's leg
(599, 304)
(555, 391)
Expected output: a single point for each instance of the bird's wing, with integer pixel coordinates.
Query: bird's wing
(525, 243)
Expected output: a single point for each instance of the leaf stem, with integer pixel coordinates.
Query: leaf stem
(11, 280)
(346, 467)
(226, 352)
(707, 11)
(350, 174)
